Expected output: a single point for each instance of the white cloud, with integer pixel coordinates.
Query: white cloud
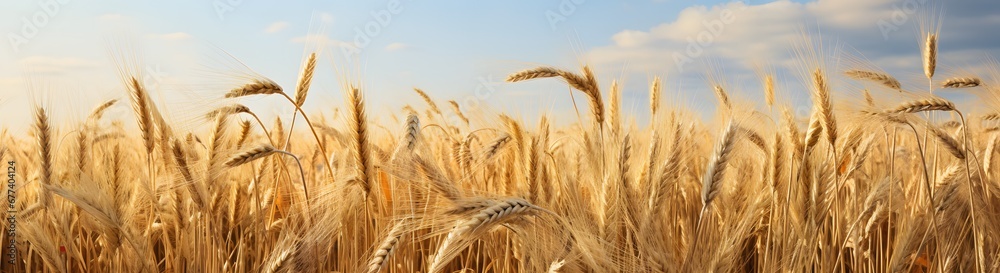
(855, 31)
(396, 46)
(732, 31)
(50, 64)
(767, 33)
(276, 27)
(326, 17)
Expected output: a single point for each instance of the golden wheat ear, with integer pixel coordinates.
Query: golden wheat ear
(824, 105)
(227, 110)
(430, 102)
(384, 251)
(930, 54)
(261, 151)
(196, 190)
(953, 146)
(586, 83)
(250, 155)
(262, 86)
(462, 233)
(655, 88)
(712, 180)
(961, 83)
(411, 137)
(928, 104)
(723, 97)
(358, 122)
(877, 77)
(305, 80)
(98, 112)
(458, 112)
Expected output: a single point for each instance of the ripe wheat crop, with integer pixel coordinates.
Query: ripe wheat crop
(905, 182)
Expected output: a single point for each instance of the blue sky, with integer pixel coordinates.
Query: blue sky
(452, 49)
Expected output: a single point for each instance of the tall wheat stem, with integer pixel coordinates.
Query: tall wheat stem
(326, 157)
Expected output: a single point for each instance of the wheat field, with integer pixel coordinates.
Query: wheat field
(894, 181)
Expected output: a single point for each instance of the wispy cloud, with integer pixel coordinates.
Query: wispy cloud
(276, 27)
(50, 64)
(396, 46)
(744, 35)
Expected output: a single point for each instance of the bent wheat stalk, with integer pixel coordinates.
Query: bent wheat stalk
(712, 181)
(490, 216)
(262, 151)
(880, 78)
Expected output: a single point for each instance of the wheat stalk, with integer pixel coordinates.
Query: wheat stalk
(458, 112)
(249, 155)
(825, 107)
(614, 109)
(655, 88)
(98, 111)
(281, 256)
(496, 146)
(438, 181)
(961, 83)
(44, 136)
(244, 133)
(359, 130)
(142, 107)
(228, 110)
(501, 211)
(261, 151)
(712, 180)
(535, 73)
(385, 250)
(723, 97)
(930, 54)
(256, 87)
(305, 80)
(196, 190)
(754, 138)
(769, 90)
(881, 78)
(813, 133)
(869, 101)
(928, 104)
(411, 135)
(428, 100)
(585, 83)
(949, 142)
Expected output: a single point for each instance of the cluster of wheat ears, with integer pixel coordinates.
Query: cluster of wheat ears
(904, 183)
